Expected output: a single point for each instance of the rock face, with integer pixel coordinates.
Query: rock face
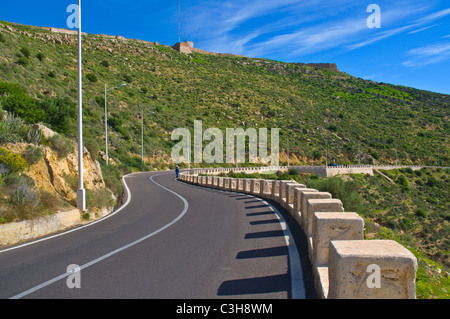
(60, 175)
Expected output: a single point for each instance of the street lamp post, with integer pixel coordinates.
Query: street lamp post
(142, 136)
(81, 193)
(106, 120)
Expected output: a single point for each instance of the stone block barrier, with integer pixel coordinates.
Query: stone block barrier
(345, 265)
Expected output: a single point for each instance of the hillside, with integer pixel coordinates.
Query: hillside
(317, 109)
(309, 105)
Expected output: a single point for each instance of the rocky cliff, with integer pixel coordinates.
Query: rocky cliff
(59, 176)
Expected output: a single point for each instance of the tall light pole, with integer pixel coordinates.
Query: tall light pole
(142, 135)
(106, 119)
(81, 193)
(288, 152)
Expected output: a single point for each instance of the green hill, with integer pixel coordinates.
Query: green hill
(311, 106)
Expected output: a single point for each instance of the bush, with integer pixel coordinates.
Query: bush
(40, 56)
(61, 145)
(32, 154)
(59, 113)
(332, 128)
(23, 61)
(26, 52)
(12, 129)
(24, 106)
(347, 192)
(403, 183)
(432, 182)
(99, 198)
(420, 213)
(15, 162)
(91, 77)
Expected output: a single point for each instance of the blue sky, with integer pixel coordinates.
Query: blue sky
(412, 47)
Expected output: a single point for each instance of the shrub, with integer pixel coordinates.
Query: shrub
(347, 192)
(59, 113)
(15, 162)
(99, 198)
(420, 213)
(403, 183)
(24, 106)
(32, 154)
(61, 145)
(432, 182)
(12, 129)
(91, 77)
(40, 56)
(26, 52)
(23, 61)
(332, 128)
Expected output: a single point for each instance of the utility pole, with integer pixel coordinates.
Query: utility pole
(189, 151)
(288, 152)
(359, 154)
(81, 193)
(438, 157)
(106, 126)
(142, 135)
(106, 120)
(396, 156)
(326, 153)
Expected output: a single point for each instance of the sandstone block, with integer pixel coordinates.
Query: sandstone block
(371, 269)
(333, 226)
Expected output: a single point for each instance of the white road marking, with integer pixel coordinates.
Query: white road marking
(114, 252)
(298, 290)
(81, 227)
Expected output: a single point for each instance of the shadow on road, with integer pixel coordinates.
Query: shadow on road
(262, 216)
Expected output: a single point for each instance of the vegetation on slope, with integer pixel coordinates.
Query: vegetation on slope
(314, 108)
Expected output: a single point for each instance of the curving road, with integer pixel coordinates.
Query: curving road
(170, 240)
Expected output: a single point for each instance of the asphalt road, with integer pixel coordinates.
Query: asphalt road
(170, 240)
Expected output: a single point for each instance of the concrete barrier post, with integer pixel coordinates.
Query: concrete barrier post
(255, 186)
(240, 184)
(275, 193)
(265, 188)
(304, 206)
(290, 196)
(333, 226)
(284, 192)
(215, 181)
(233, 185)
(321, 205)
(371, 269)
(247, 182)
(298, 194)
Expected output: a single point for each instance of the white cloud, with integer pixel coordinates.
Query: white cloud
(429, 54)
(423, 29)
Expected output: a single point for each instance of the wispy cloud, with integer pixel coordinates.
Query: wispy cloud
(423, 29)
(429, 54)
(292, 28)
